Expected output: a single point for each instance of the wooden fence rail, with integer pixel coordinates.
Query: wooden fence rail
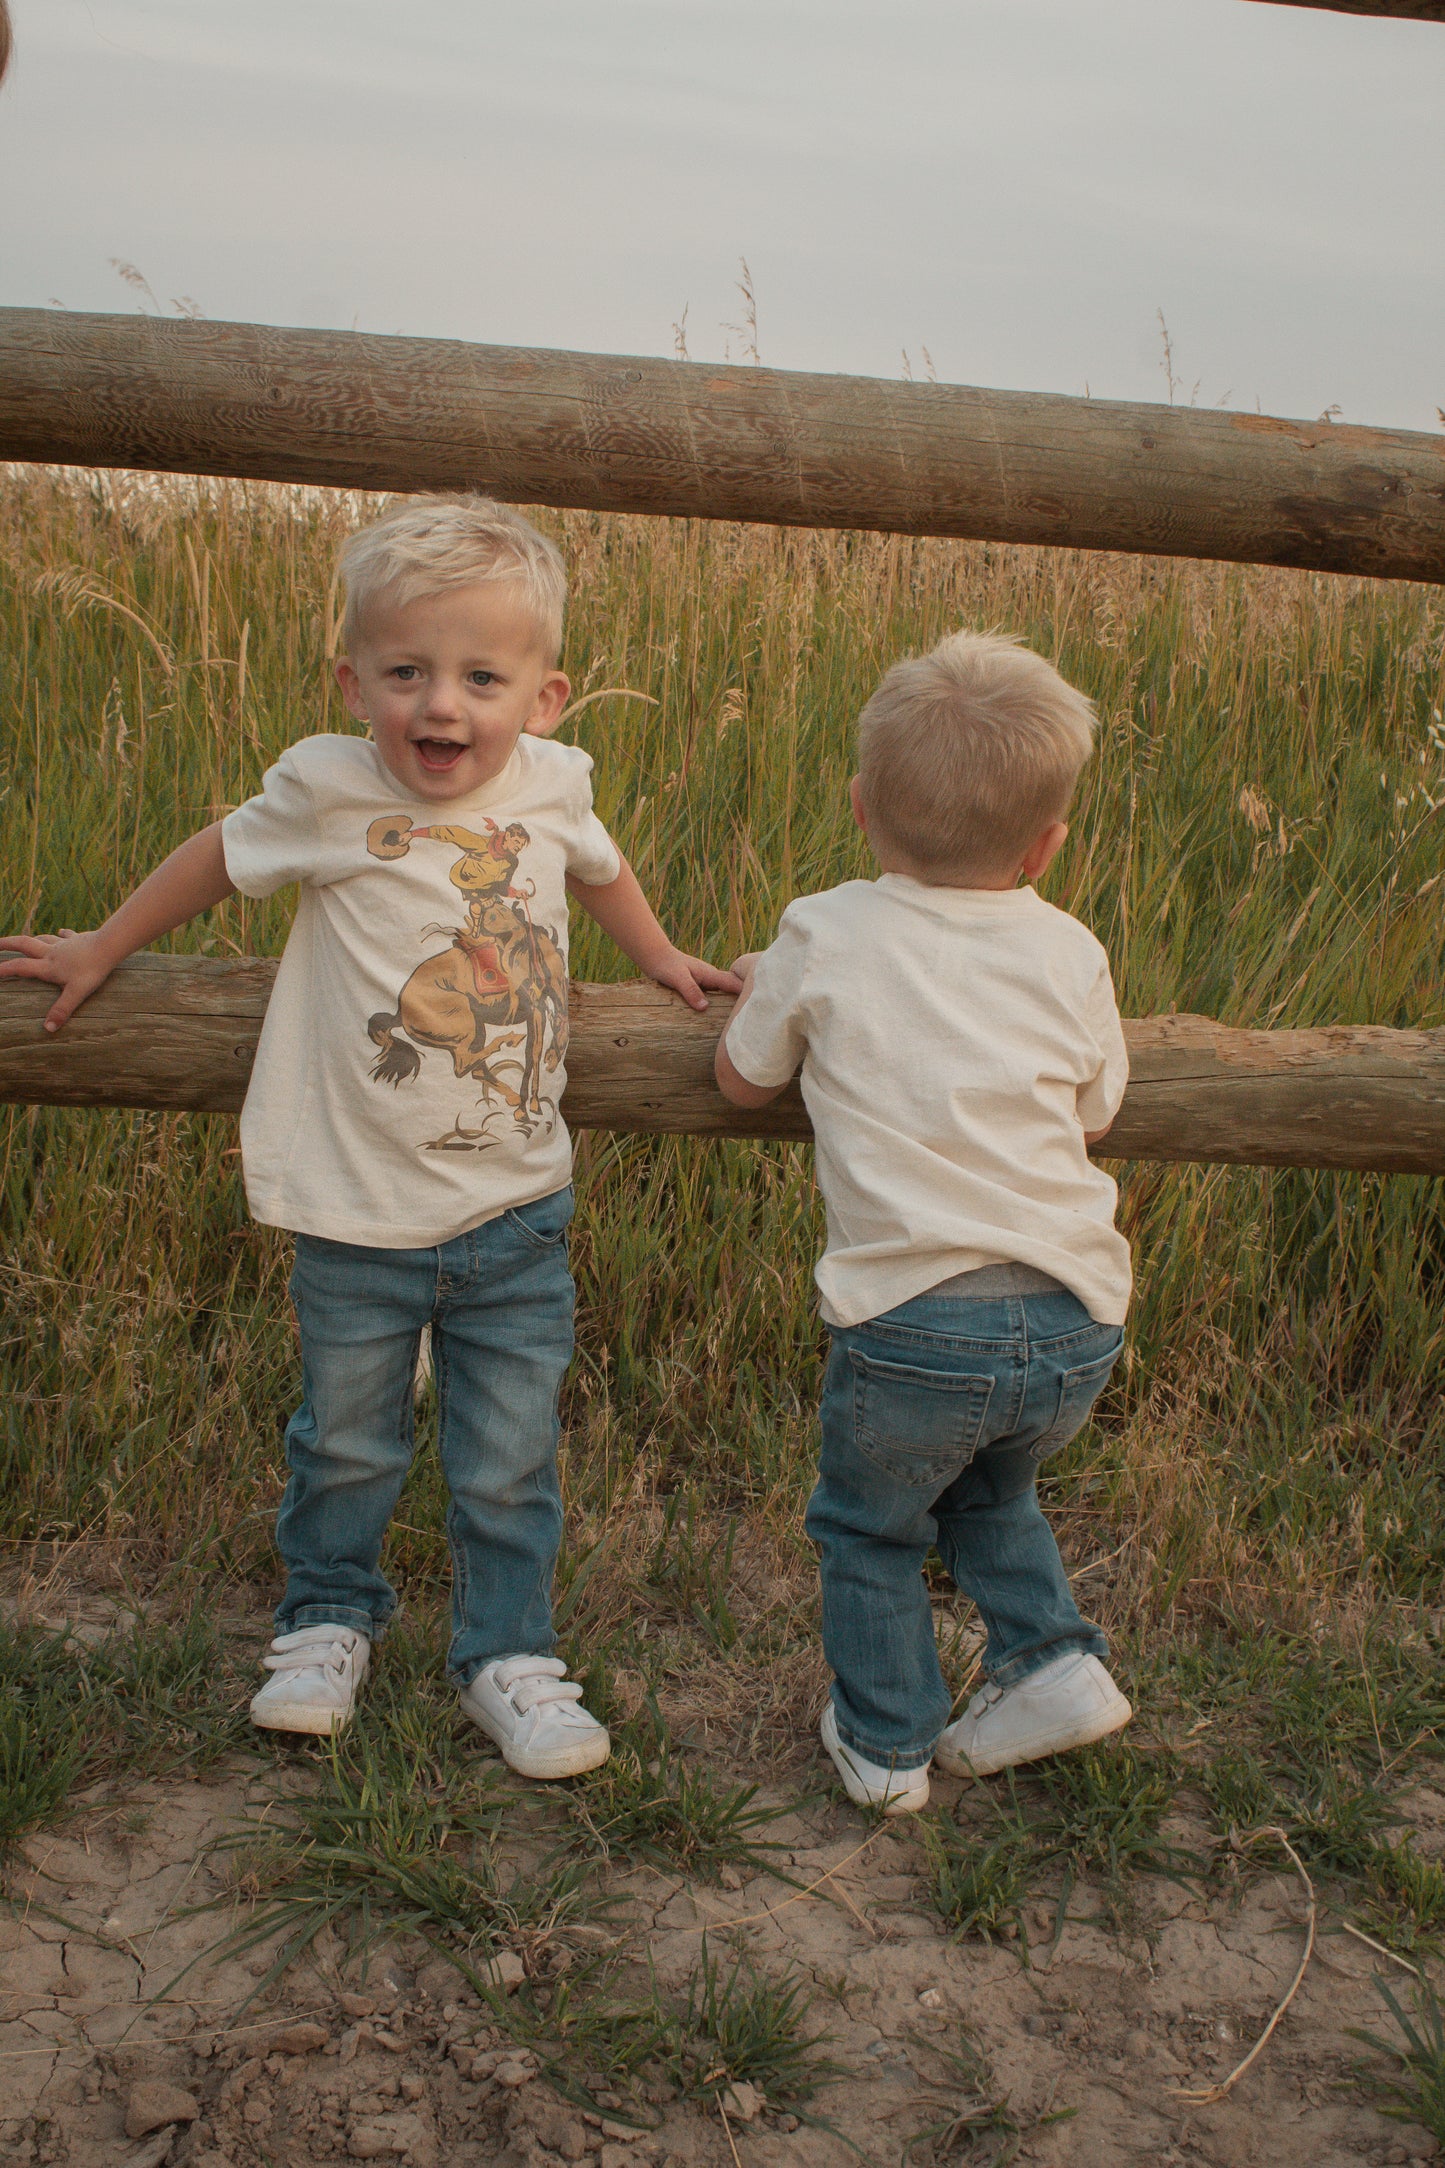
(639, 435)
(1419, 11)
(180, 1032)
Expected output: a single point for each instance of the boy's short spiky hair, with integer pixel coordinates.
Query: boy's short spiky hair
(967, 754)
(430, 544)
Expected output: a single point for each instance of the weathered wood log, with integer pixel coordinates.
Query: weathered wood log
(1420, 11)
(180, 1032)
(638, 435)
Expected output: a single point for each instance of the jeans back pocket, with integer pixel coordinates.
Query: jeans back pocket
(922, 1427)
(1078, 1389)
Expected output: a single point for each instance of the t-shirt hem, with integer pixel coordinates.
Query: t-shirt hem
(1104, 1308)
(365, 1235)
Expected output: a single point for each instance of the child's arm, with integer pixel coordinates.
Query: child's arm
(192, 880)
(623, 913)
(733, 1086)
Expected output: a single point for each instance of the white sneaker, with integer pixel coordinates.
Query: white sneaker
(1070, 1702)
(317, 1673)
(534, 1712)
(869, 1784)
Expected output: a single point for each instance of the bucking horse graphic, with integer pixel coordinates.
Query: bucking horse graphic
(501, 983)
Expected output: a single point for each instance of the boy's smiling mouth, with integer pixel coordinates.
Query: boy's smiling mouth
(437, 755)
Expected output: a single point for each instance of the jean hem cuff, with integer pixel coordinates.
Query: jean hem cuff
(332, 1614)
(462, 1675)
(902, 1759)
(1023, 1666)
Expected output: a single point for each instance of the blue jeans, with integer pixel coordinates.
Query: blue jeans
(936, 1416)
(499, 1302)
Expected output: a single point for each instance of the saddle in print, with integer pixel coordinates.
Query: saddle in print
(486, 962)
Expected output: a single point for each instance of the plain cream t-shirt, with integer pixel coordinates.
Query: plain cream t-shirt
(955, 1045)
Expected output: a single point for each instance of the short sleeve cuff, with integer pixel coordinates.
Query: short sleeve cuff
(754, 1067)
(247, 874)
(598, 869)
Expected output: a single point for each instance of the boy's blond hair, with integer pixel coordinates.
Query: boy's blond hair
(430, 544)
(967, 754)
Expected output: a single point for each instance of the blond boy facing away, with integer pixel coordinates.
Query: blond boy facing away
(402, 1118)
(960, 1049)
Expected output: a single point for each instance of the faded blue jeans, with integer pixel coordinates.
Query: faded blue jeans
(499, 1303)
(936, 1417)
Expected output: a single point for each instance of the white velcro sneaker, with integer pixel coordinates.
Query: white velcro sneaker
(534, 1712)
(315, 1675)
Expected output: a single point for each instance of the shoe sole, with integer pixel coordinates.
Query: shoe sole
(1111, 1719)
(574, 1761)
(319, 1723)
(861, 1794)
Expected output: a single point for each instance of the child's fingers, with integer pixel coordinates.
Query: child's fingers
(713, 976)
(70, 999)
(26, 967)
(681, 981)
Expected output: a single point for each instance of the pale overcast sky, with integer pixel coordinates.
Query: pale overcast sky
(1016, 185)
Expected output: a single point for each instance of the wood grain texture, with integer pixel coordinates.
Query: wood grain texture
(639, 435)
(1418, 11)
(180, 1032)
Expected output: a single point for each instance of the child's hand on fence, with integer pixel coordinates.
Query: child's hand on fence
(688, 975)
(75, 962)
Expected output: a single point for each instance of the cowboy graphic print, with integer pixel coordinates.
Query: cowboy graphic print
(495, 999)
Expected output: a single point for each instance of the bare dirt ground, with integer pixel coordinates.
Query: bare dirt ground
(103, 2031)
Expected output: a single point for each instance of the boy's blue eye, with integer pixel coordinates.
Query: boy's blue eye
(483, 677)
(405, 670)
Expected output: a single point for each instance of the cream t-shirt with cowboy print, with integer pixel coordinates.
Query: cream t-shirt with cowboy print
(955, 1045)
(407, 1082)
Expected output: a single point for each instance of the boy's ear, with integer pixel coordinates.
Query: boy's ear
(1044, 849)
(350, 684)
(855, 799)
(551, 702)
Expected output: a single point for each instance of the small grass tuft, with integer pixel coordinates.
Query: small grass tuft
(740, 2025)
(176, 1692)
(1334, 1823)
(1103, 1807)
(647, 1804)
(1407, 1896)
(156, 1695)
(1414, 2092)
(384, 1849)
(691, 1567)
(979, 1888)
(974, 2114)
(45, 1748)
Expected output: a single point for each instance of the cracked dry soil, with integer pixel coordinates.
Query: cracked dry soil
(114, 2055)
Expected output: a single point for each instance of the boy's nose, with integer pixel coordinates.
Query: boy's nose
(444, 702)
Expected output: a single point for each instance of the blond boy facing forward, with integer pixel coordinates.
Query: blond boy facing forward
(960, 1049)
(402, 1118)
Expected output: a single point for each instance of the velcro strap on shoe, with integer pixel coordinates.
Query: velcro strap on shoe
(528, 1680)
(313, 1648)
